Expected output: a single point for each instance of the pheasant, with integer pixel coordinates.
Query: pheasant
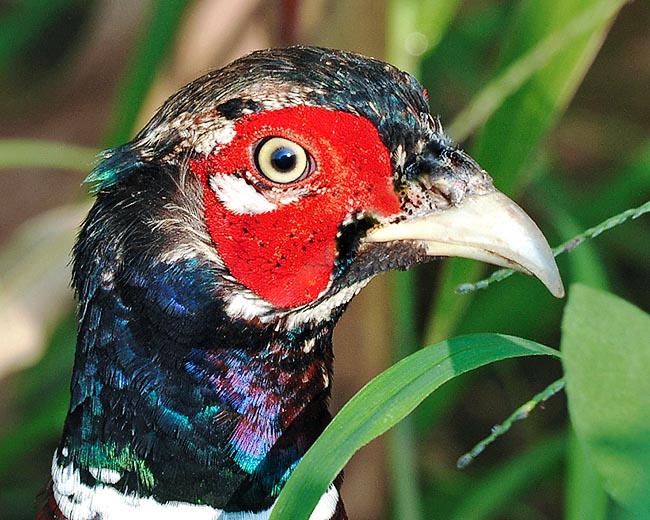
(225, 242)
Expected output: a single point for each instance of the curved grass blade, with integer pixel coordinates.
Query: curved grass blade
(414, 27)
(21, 23)
(545, 82)
(512, 132)
(34, 283)
(385, 401)
(147, 58)
(493, 95)
(28, 153)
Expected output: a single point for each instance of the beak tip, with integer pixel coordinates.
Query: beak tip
(555, 286)
(487, 227)
(558, 289)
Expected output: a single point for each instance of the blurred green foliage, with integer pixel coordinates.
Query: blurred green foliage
(606, 360)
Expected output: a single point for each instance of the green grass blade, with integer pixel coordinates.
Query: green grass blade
(21, 22)
(449, 306)
(493, 95)
(27, 153)
(627, 188)
(30, 431)
(401, 445)
(385, 401)
(513, 131)
(147, 59)
(414, 27)
(585, 497)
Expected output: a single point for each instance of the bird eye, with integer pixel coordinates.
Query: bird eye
(281, 160)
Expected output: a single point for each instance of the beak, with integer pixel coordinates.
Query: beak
(488, 227)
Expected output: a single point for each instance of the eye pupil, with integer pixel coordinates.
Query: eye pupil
(283, 159)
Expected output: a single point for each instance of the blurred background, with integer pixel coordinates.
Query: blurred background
(559, 114)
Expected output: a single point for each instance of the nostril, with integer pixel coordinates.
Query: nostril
(437, 160)
(460, 159)
(435, 148)
(421, 166)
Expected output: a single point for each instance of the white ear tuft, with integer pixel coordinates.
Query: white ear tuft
(238, 196)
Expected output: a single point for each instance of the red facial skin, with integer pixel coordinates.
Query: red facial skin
(287, 255)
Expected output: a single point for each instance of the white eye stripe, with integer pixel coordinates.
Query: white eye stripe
(281, 160)
(238, 196)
